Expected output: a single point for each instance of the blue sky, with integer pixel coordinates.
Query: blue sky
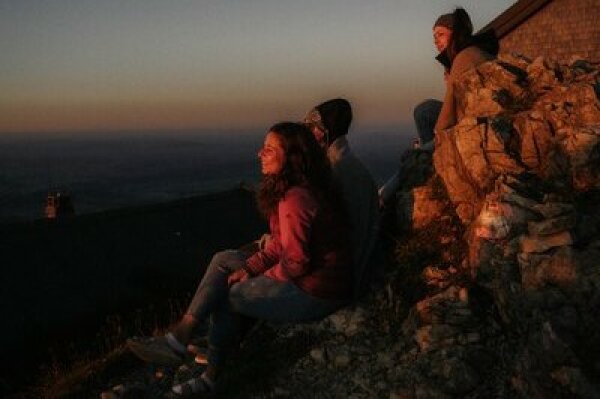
(76, 65)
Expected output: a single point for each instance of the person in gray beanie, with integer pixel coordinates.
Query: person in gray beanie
(329, 122)
(459, 50)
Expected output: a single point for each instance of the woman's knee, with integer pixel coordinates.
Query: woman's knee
(249, 295)
(229, 260)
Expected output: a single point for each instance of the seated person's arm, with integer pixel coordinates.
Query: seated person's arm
(447, 116)
(265, 258)
(296, 216)
(465, 60)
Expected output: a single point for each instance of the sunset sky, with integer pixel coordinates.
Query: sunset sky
(82, 65)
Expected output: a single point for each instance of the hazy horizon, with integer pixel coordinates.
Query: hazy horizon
(86, 65)
(401, 129)
(107, 171)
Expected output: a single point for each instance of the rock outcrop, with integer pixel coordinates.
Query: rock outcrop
(522, 171)
(521, 118)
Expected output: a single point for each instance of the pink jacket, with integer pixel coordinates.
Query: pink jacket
(308, 247)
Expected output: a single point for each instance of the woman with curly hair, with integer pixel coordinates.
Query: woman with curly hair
(304, 272)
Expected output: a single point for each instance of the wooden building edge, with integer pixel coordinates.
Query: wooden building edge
(560, 30)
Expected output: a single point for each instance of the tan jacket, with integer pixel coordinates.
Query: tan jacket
(467, 59)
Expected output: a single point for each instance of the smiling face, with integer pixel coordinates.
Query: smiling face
(272, 155)
(441, 37)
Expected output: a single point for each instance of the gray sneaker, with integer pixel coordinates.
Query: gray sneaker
(155, 350)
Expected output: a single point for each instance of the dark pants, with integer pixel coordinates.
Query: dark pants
(426, 115)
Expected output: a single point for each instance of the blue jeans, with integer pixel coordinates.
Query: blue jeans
(258, 297)
(426, 115)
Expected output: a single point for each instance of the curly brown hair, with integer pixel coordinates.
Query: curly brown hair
(305, 163)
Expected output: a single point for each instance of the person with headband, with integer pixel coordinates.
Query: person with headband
(459, 50)
(329, 122)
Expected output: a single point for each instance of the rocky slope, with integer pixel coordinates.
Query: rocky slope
(499, 261)
(522, 171)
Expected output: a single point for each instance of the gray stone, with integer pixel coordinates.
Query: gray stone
(319, 355)
(341, 360)
(552, 226)
(385, 359)
(554, 209)
(427, 392)
(458, 377)
(575, 381)
(543, 243)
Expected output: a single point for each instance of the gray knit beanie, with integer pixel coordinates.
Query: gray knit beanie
(446, 20)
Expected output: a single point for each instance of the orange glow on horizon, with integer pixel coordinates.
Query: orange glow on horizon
(172, 115)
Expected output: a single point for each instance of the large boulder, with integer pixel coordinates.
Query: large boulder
(521, 117)
(522, 168)
(417, 207)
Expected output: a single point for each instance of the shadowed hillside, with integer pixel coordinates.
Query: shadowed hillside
(71, 286)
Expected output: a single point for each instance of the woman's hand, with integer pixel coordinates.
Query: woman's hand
(237, 277)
